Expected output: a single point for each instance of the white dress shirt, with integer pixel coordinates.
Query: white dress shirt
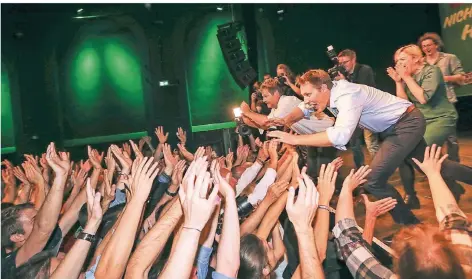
(305, 126)
(373, 109)
(261, 188)
(247, 177)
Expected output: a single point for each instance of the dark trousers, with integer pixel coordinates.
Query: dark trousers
(317, 156)
(401, 142)
(356, 146)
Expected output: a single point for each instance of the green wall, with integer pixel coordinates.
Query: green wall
(456, 24)
(211, 90)
(103, 87)
(8, 133)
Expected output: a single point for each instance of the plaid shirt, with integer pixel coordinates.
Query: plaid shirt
(458, 230)
(357, 253)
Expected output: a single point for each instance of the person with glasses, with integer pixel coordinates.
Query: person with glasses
(424, 86)
(453, 74)
(361, 74)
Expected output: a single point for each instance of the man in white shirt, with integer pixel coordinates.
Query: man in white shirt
(281, 106)
(400, 124)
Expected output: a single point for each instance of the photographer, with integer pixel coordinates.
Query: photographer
(361, 74)
(287, 81)
(256, 100)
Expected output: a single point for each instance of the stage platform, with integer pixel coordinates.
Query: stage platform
(385, 225)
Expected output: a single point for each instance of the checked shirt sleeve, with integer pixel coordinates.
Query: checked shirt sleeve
(352, 248)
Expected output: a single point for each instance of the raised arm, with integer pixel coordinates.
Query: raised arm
(24, 190)
(206, 241)
(444, 201)
(252, 222)
(353, 249)
(228, 249)
(46, 219)
(153, 242)
(115, 256)
(78, 180)
(271, 217)
(197, 210)
(373, 210)
(9, 192)
(162, 139)
(257, 118)
(326, 185)
(71, 265)
(301, 214)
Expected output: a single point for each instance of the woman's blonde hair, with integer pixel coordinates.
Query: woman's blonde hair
(412, 50)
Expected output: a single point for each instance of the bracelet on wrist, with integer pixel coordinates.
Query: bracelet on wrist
(328, 208)
(261, 161)
(189, 228)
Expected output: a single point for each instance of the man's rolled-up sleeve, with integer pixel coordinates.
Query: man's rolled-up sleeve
(346, 121)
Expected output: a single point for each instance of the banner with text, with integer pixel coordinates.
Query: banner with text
(456, 23)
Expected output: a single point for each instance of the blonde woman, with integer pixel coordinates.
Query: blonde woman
(423, 85)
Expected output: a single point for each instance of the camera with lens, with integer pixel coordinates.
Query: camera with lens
(337, 68)
(281, 80)
(256, 87)
(258, 95)
(243, 129)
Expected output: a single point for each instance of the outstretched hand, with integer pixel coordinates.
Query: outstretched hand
(182, 135)
(143, 173)
(302, 211)
(196, 206)
(432, 160)
(380, 207)
(60, 164)
(355, 179)
(94, 209)
(283, 137)
(326, 183)
(160, 135)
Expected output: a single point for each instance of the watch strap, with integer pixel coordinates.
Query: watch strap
(172, 194)
(86, 236)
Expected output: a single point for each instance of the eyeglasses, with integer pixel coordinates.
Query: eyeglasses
(345, 62)
(428, 45)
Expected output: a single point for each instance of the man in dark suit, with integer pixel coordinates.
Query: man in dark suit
(361, 74)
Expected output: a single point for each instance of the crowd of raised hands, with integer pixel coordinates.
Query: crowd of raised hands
(161, 213)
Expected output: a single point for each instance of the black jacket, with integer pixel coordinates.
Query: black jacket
(362, 74)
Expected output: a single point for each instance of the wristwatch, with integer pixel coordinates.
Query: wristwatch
(172, 194)
(86, 236)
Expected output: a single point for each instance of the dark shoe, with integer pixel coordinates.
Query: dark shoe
(457, 191)
(412, 201)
